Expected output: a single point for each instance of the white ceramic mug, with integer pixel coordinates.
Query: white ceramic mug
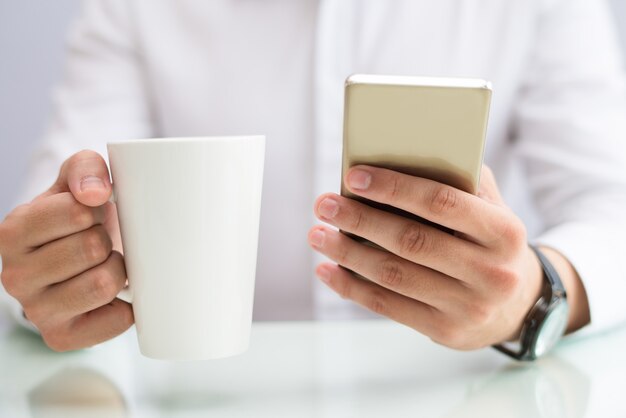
(189, 216)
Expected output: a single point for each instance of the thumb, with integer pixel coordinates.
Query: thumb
(86, 176)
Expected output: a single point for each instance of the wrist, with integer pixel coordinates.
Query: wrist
(530, 294)
(579, 314)
(547, 320)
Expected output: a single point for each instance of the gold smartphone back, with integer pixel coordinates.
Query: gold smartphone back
(427, 127)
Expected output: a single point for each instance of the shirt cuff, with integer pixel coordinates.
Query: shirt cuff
(597, 256)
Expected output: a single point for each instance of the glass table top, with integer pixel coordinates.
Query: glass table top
(313, 369)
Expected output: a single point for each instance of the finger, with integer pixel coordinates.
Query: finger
(86, 176)
(488, 189)
(57, 216)
(112, 225)
(92, 327)
(388, 270)
(67, 257)
(409, 239)
(87, 291)
(402, 309)
(436, 202)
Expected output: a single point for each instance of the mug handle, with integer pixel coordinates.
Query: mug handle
(125, 294)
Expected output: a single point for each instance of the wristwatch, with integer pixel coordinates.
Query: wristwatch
(546, 322)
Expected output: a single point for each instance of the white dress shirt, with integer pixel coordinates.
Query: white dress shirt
(557, 133)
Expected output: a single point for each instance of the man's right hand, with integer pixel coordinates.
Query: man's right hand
(61, 258)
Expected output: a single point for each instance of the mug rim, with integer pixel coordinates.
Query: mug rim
(186, 139)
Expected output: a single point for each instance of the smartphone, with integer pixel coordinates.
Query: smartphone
(421, 126)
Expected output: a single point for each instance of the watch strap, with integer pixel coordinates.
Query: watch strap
(550, 273)
(537, 313)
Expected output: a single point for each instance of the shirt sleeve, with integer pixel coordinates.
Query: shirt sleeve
(570, 131)
(102, 97)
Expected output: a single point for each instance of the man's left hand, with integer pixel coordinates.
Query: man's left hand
(465, 290)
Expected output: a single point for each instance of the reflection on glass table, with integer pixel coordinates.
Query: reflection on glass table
(76, 392)
(545, 389)
(313, 369)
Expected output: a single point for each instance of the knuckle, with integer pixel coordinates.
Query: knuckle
(8, 235)
(36, 313)
(479, 313)
(7, 279)
(80, 216)
(377, 303)
(4, 233)
(452, 336)
(503, 279)
(96, 245)
(104, 287)
(443, 199)
(391, 274)
(412, 239)
(512, 232)
(57, 339)
(12, 281)
(395, 189)
(344, 290)
(343, 255)
(358, 221)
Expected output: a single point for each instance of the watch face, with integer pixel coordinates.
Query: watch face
(552, 328)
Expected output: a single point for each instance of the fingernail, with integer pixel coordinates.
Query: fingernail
(317, 238)
(359, 179)
(324, 274)
(91, 183)
(328, 208)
